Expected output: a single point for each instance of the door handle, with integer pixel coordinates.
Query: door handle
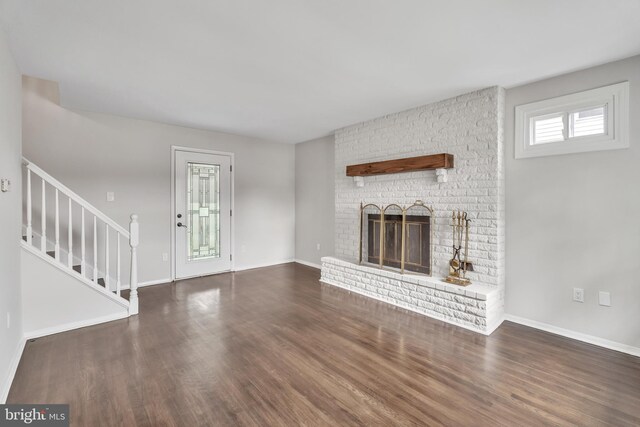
(182, 225)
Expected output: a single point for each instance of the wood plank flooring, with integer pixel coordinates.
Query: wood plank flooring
(272, 346)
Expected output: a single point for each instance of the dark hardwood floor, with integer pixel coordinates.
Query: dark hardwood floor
(273, 346)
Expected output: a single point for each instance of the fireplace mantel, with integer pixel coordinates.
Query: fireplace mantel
(408, 164)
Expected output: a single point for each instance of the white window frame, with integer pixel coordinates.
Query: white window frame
(616, 136)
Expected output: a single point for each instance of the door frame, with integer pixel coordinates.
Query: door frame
(174, 149)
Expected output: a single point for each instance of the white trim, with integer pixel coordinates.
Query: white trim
(150, 283)
(267, 264)
(615, 97)
(71, 272)
(491, 328)
(155, 282)
(590, 339)
(308, 264)
(13, 368)
(75, 325)
(172, 233)
(231, 155)
(203, 275)
(414, 310)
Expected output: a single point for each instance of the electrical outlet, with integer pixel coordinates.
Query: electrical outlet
(578, 294)
(165, 256)
(318, 247)
(604, 298)
(111, 196)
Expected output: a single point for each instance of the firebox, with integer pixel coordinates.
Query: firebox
(396, 237)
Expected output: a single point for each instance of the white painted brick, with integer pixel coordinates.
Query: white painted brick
(470, 127)
(451, 303)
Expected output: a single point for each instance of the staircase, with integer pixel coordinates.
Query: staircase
(99, 262)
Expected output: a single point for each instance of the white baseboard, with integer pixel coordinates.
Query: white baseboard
(155, 282)
(308, 264)
(74, 325)
(151, 283)
(13, 367)
(601, 342)
(491, 328)
(267, 264)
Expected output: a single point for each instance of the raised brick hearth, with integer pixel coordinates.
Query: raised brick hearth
(476, 307)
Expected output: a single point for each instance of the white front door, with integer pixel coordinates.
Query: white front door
(202, 222)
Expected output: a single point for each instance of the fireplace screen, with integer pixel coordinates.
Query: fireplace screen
(396, 237)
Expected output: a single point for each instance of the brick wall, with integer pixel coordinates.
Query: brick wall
(470, 127)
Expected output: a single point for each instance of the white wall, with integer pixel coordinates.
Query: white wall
(469, 127)
(68, 304)
(574, 221)
(315, 204)
(10, 146)
(95, 153)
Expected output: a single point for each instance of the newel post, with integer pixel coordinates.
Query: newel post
(134, 234)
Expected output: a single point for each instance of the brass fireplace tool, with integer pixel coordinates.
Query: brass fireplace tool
(459, 265)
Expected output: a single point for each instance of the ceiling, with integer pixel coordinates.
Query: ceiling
(293, 70)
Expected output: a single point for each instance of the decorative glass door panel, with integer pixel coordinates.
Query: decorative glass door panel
(202, 214)
(203, 220)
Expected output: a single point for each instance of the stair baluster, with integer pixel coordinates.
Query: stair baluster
(29, 226)
(106, 257)
(70, 237)
(95, 249)
(83, 263)
(43, 218)
(118, 284)
(133, 242)
(56, 248)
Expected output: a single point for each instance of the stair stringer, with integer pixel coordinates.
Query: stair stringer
(56, 299)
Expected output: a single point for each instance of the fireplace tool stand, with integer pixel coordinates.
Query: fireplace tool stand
(459, 265)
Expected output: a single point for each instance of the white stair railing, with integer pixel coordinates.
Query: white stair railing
(106, 270)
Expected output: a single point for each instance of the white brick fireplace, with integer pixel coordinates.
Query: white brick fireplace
(470, 127)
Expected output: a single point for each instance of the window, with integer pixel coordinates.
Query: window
(592, 120)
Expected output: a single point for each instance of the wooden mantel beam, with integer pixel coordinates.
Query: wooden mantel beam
(410, 164)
